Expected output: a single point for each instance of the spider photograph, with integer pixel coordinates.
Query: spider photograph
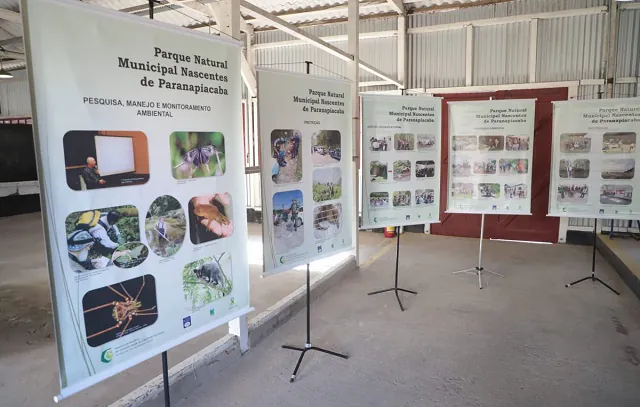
(119, 309)
(197, 154)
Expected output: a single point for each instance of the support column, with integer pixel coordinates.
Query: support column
(240, 328)
(230, 17)
(533, 49)
(612, 53)
(402, 50)
(353, 45)
(469, 57)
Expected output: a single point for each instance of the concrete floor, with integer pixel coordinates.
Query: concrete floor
(28, 356)
(524, 340)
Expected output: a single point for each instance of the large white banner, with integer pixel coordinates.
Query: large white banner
(594, 159)
(490, 157)
(307, 181)
(139, 141)
(400, 160)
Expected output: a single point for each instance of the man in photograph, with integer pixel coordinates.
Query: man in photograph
(91, 174)
(294, 208)
(90, 232)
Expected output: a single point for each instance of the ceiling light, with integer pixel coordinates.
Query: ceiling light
(5, 74)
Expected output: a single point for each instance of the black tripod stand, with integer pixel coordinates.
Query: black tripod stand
(307, 345)
(593, 277)
(395, 287)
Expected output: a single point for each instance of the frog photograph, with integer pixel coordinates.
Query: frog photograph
(210, 217)
(165, 226)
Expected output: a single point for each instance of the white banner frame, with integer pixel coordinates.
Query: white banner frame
(312, 248)
(488, 121)
(398, 122)
(565, 123)
(52, 193)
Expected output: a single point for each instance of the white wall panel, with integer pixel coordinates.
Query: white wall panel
(628, 62)
(500, 54)
(570, 48)
(437, 60)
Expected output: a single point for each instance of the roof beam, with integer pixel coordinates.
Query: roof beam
(397, 5)
(10, 15)
(330, 39)
(11, 41)
(293, 30)
(11, 54)
(312, 39)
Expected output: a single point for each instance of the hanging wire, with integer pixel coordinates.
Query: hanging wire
(208, 24)
(330, 71)
(280, 63)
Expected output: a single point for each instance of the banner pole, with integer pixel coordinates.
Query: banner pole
(165, 363)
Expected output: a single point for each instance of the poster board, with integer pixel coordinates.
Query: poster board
(306, 146)
(490, 157)
(594, 156)
(140, 259)
(401, 145)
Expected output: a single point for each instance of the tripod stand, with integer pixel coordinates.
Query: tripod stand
(308, 346)
(479, 269)
(395, 287)
(593, 277)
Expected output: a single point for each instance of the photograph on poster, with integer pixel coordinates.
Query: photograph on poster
(579, 168)
(465, 143)
(197, 154)
(402, 198)
(327, 184)
(425, 196)
(327, 220)
(96, 238)
(95, 159)
(402, 170)
(613, 194)
(130, 255)
(460, 166)
(116, 310)
(425, 169)
(206, 280)
(491, 143)
(325, 147)
(513, 166)
(165, 226)
(573, 193)
(210, 217)
(462, 190)
(575, 143)
(426, 142)
(380, 143)
(515, 191)
(489, 190)
(288, 224)
(484, 167)
(378, 171)
(404, 141)
(618, 143)
(621, 168)
(379, 200)
(285, 159)
(518, 143)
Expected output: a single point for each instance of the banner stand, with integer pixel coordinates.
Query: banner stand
(593, 277)
(395, 287)
(479, 269)
(308, 346)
